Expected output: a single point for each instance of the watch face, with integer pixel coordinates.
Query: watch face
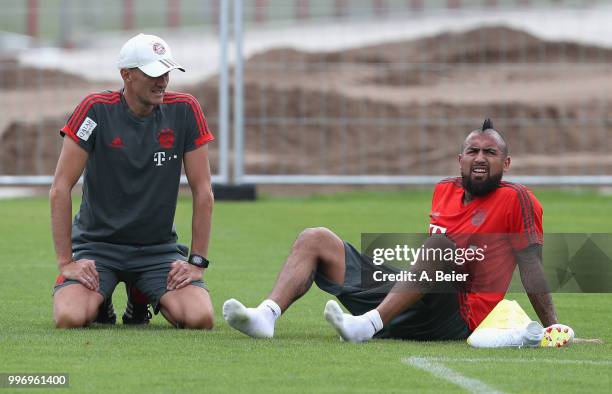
(198, 261)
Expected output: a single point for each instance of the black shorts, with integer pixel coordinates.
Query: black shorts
(146, 267)
(435, 317)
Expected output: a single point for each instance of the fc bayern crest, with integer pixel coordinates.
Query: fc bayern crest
(158, 48)
(165, 137)
(479, 217)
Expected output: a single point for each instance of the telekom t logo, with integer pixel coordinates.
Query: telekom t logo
(159, 158)
(433, 229)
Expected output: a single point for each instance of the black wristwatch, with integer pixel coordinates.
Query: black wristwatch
(198, 261)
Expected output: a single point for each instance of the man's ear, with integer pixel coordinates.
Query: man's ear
(125, 75)
(507, 162)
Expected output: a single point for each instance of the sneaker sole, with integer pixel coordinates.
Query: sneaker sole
(557, 335)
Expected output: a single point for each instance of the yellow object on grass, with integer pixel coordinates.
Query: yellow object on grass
(506, 314)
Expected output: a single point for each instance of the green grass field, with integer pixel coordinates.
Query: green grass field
(250, 242)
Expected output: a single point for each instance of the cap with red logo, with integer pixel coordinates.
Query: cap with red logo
(149, 53)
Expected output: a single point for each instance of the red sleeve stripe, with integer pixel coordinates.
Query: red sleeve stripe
(524, 202)
(455, 180)
(79, 113)
(197, 112)
(66, 130)
(535, 235)
(204, 138)
(173, 98)
(527, 211)
(205, 134)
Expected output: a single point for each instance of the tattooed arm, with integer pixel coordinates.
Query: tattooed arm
(530, 267)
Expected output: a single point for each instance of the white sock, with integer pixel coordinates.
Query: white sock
(270, 308)
(353, 328)
(254, 322)
(374, 317)
(528, 336)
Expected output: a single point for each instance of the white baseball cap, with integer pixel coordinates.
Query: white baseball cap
(149, 53)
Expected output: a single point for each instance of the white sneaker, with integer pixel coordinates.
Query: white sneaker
(529, 336)
(534, 332)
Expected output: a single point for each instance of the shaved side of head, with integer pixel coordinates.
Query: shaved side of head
(487, 128)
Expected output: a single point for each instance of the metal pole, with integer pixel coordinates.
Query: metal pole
(45, 180)
(224, 91)
(238, 96)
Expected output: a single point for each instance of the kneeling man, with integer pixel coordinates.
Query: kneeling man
(131, 145)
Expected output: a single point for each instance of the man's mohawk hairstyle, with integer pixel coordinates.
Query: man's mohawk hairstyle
(488, 124)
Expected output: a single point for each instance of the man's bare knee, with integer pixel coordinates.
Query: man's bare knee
(75, 306)
(193, 319)
(189, 307)
(325, 249)
(314, 239)
(199, 321)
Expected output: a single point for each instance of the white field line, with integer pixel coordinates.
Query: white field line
(435, 368)
(518, 360)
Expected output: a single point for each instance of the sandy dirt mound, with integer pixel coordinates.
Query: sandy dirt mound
(404, 107)
(15, 76)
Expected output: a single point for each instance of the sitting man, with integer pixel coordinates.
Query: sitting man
(131, 144)
(478, 202)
